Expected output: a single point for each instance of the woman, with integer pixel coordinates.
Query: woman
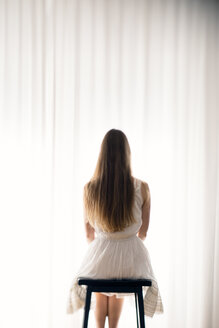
(117, 211)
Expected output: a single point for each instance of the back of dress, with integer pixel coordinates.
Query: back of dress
(118, 255)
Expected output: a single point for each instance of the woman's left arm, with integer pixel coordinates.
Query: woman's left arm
(142, 233)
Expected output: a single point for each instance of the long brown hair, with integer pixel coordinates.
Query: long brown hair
(109, 195)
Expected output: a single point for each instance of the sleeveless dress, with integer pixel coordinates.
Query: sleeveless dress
(118, 255)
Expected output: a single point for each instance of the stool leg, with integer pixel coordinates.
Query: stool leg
(87, 307)
(141, 308)
(137, 309)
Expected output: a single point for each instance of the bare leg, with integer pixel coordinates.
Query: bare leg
(114, 310)
(101, 309)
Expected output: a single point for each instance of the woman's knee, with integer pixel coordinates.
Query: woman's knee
(101, 309)
(114, 311)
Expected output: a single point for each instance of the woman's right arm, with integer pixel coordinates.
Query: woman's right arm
(89, 230)
(90, 233)
(142, 233)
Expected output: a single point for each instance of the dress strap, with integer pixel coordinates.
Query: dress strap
(137, 183)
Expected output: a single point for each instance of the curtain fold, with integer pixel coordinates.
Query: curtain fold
(70, 71)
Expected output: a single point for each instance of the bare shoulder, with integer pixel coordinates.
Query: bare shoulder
(86, 186)
(85, 190)
(145, 191)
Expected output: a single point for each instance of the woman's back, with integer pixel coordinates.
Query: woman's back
(133, 229)
(119, 254)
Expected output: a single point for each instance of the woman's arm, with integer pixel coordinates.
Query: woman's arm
(90, 233)
(142, 233)
(89, 230)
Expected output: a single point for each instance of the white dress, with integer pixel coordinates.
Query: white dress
(118, 255)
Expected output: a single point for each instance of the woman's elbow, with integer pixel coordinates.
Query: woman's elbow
(142, 235)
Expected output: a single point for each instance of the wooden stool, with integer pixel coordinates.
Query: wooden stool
(118, 286)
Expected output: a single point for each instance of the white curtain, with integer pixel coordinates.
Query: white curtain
(70, 71)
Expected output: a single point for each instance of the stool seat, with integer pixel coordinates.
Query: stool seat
(118, 286)
(114, 282)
